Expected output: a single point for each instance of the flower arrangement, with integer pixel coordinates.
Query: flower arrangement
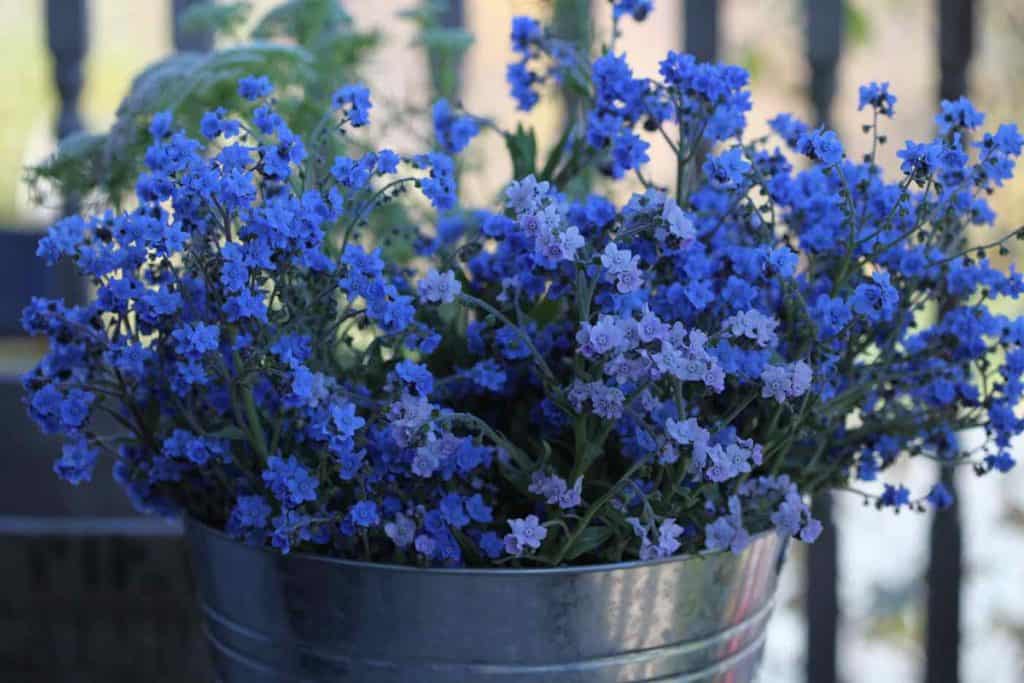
(558, 379)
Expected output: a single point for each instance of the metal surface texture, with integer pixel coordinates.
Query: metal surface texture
(698, 619)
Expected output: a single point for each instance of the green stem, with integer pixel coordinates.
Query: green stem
(593, 510)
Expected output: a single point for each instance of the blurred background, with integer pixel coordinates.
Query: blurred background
(91, 592)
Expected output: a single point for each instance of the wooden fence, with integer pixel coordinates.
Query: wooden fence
(91, 592)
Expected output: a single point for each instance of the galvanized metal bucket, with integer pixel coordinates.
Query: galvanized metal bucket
(276, 619)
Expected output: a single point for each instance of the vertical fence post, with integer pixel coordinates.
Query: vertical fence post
(824, 26)
(945, 553)
(701, 21)
(824, 46)
(188, 41)
(446, 65)
(66, 26)
(572, 22)
(701, 39)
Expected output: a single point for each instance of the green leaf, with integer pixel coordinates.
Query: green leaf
(857, 24)
(555, 156)
(588, 540)
(232, 433)
(469, 547)
(303, 21)
(72, 166)
(342, 49)
(546, 311)
(451, 41)
(188, 84)
(522, 148)
(216, 18)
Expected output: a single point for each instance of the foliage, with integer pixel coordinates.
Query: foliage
(303, 45)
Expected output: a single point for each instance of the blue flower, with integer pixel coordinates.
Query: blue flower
(527, 533)
(402, 531)
(62, 239)
(940, 496)
(77, 462)
(877, 300)
(919, 160)
(364, 514)
(628, 152)
(193, 340)
(727, 170)
(184, 445)
(1003, 461)
(894, 497)
(289, 528)
(822, 145)
(958, 115)
(355, 101)
(453, 510)
(526, 31)
(877, 95)
(791, 129)
(638, 9)
(254, 88)
(289, 481)
(487, 374)
(439, 186)
(452, 131)
(160, 125)
(344, 418)
(727, 532)
(439, 288)
(249, 518)
(352, 173)
(521, 81)
(416, 375)
(213, 124)
(491, 545)
(478, 510)
(292, 349)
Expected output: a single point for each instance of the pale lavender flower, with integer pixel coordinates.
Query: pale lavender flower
(727, 532)
(801, 376)
(439, 288)
(526, 533)
(401, 531)
(754, 325)
(680, 225)
(607, 401)
(775, 383)
(687, 432)
(524, 195)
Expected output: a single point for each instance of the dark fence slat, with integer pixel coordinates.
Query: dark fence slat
(945, 573)
(67, 38)
(824, 43)
(945, 553)
(822, 597)
(824, 47)
(701, 26)
(25, 276)
(117, 609)
(956, 43)
(188, 41)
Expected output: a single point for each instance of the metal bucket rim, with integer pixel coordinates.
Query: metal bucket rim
(191, 523)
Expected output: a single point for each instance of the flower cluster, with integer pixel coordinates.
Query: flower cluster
(555, 380)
